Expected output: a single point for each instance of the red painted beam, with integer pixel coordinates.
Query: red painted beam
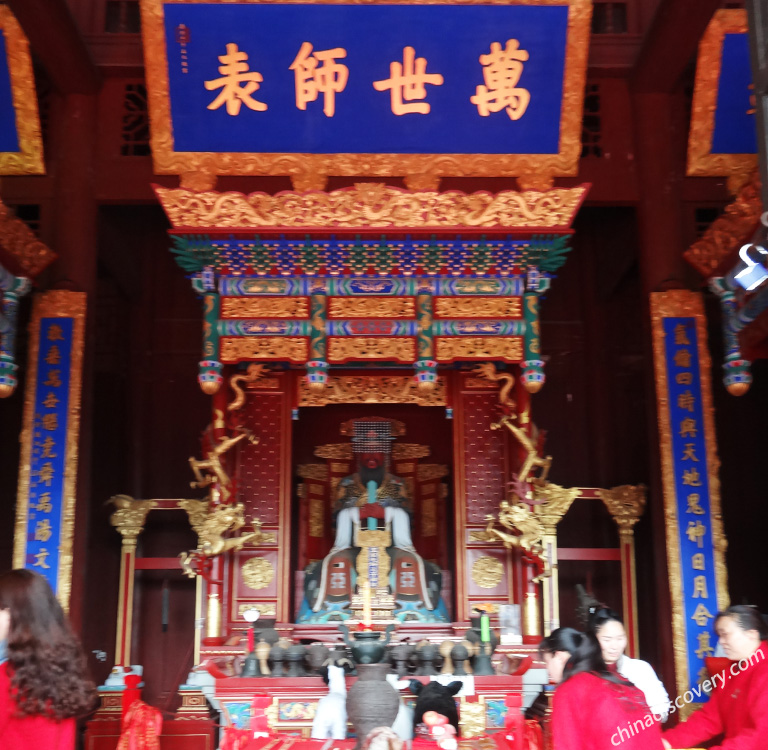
(578, 553)
(58, 44)
(671, 44)
(157, 563)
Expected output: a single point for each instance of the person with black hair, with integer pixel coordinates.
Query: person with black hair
(43, 685)
(738, 705)
(594, 708)
(608, 628)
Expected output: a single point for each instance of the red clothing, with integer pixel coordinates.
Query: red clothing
(30, 732)
(591, 713)
(737, 708)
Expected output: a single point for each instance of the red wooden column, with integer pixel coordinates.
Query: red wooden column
(660, 136)
(72, 147)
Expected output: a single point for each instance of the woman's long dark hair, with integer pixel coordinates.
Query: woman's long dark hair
(45, 662)
(585, 652)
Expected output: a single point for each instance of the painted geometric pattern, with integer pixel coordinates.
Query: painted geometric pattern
(259, 465)
(483, 456)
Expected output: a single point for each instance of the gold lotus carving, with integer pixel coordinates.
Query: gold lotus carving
(484, 307)
(399, 348)
(257, 573)
(29, 158)
(552, 502)
(236, 349)
(625, 503)
(405, 468)
(265, 307)
(129, 516)
(372, 205)
(372, 389)
(371, 307)
(487, 572)
(701, 161)
(508, 348)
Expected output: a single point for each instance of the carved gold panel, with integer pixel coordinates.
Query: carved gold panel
(372, 205)
(482, 307)
(316, 517)
(264, 307)
(371, 307)
(508, 348)
(257, 573)
(398, 348)
(372, 389)
(487, 572)
(265, 610)
(318, 472)
(236, 349)
(409, 450)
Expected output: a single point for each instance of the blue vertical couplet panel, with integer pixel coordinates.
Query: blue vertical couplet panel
(735, 126)
(693, 502)
(9, 137)
(45, 516)
(333, 78)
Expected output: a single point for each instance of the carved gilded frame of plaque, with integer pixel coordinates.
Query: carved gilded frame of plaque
(701, 161)
(423, 171)
(29, 158)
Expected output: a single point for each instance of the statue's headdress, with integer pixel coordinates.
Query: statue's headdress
(372, 437)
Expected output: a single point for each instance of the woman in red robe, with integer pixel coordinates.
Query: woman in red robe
(738, 705)
(593, 708)
(42, 670)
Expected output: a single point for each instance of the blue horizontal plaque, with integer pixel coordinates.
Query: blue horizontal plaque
(328, 79)
(734, 131)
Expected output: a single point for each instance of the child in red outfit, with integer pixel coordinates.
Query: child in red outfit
(42, 671)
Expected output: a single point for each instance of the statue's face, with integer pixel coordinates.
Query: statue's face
(371, 459)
